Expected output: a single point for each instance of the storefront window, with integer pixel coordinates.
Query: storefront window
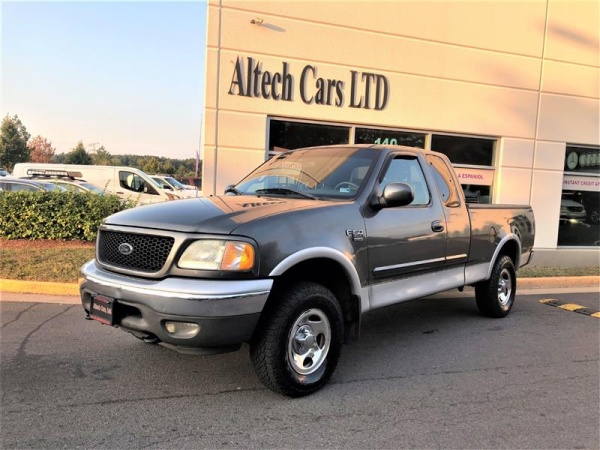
(285, 135)
(579, 219)
(464, 150)
(580, 202)
(388, 137)
(475, 193)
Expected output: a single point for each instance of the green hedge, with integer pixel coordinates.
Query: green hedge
(55, 215)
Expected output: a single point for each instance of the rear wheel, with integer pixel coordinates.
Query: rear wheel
(496, 296)
(298, 342)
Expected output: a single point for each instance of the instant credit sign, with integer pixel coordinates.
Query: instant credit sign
(575, 183)
(366, 90)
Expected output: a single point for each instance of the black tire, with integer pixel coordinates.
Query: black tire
(496, 296)
(298, 341)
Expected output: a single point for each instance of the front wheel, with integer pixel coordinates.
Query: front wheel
(496, 296)
(298, 342)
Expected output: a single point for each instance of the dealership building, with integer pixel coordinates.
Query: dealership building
(509, 91)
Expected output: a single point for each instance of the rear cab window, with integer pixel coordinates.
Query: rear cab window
(444, 181)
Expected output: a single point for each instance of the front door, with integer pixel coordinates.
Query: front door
(404, 241)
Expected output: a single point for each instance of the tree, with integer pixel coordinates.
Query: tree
(168, 168)
(40, 150)
(78, 156)
(102, 157)
(59, 158)
(152, 166)
(13, 142)
(182, 172)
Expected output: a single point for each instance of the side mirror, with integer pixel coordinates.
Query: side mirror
(395, 194)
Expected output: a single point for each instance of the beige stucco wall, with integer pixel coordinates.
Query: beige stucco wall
(526, 73)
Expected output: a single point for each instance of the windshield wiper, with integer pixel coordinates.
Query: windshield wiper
(284, 191)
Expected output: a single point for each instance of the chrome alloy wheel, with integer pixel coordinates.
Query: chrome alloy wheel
(308, 341)
(505, 287)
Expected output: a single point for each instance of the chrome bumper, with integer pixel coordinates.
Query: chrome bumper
(226, 311)
(180, 296)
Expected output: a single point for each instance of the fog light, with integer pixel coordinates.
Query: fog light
(182, 330)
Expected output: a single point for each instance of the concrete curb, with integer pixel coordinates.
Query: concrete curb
(72, 289)
(558, 282)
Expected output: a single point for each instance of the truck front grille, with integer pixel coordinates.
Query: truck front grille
(142, 252)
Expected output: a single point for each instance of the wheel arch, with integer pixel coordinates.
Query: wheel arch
(331, 269)
(509, 246)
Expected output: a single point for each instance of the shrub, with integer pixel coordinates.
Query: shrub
(55, 215)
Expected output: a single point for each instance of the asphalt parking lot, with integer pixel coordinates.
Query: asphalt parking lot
(426, 374)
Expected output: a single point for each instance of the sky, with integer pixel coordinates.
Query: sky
(125, 75)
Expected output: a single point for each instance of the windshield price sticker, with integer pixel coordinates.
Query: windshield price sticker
(291, 165)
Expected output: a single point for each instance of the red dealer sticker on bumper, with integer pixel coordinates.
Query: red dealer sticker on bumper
(101, 309)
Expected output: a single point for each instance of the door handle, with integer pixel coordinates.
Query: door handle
(437, 226)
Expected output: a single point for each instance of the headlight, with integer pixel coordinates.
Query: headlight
(211, 254)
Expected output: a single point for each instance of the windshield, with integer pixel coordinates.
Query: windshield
(53, 187)
(173, 182)
(323, 173)
(93, 188)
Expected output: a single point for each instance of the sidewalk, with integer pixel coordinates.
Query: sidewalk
(68, 293)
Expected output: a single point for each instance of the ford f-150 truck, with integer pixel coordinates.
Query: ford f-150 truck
(290, 258)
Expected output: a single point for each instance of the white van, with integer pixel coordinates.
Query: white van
(126, 182)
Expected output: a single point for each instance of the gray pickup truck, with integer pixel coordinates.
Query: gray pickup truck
(290, 258)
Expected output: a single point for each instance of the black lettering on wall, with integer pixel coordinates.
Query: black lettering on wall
(367, 90)
(288, 84)
(237, 79)
(303, 92)
(382, 90)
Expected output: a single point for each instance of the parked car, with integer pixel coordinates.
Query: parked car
(195, 183)
(126, 182)
(71, 181)
(296, 252)
(171, 184)
(571, 210)
(4, 173)
(15, 184)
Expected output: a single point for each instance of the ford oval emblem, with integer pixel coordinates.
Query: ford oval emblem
(126, 249)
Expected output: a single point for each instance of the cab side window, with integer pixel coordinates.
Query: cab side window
(444, 181)
(407, 170)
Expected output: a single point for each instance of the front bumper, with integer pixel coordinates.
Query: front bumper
(225, 310)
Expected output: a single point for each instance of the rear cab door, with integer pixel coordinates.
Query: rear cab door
(458, 225)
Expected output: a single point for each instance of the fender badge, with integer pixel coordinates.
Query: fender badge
(356, 235)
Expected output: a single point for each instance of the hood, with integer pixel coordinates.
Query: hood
(211, 215)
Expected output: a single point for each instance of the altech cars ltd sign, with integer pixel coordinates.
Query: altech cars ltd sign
(360, 90)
